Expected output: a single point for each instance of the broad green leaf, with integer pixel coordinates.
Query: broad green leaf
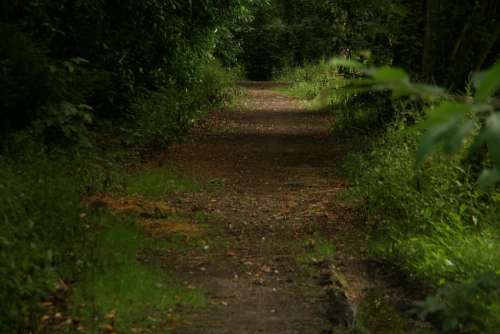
(456, 138)
(487, 83)
(435, 136)
(429, 90)
(489, 178)
(445, 112)
(388, 74)
(446, 126)
(402, 90)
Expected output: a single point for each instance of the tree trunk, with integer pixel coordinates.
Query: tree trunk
(429, 45)
(487, 50)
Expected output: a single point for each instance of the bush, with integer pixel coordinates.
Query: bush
(427, 219)
(216, 86)
(434, 224)
(308, 81)
(330, 89)
(42, 231)
(162, 117)
(470, 307)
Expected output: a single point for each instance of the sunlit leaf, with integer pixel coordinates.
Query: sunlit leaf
(387, 74)
(446, 111)
(446, 125)
(435, 136)
(487, 83)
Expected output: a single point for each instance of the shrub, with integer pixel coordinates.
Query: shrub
(42, 231)
(158, 118)
(310, 80)
(426, 219)
(470, 307)
(434, 224)
(216, 85)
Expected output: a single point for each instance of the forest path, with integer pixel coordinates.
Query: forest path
(273, 224)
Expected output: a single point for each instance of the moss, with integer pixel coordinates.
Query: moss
(156, 183)
(376, 315)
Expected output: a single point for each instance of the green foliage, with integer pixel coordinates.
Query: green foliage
(295, 33)
(118, 283)
(67, 70)
(159, 118)
(42, 93)
(41, 231)
(470, 307)
(65, 63)
(308, 81)
(429, 218)
(432, 223)
(329, 87)
(217, 84)
(444, 41)
(377, 315)
(450, 119)
(264, 41)
(320, 249)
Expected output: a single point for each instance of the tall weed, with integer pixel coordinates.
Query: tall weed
(433, 221)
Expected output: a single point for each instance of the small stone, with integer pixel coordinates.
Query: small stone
(266, 269)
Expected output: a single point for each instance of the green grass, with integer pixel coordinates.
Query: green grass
(447, 254)
(318, 250)
(432, 222)
(160, 182)
(139, 295)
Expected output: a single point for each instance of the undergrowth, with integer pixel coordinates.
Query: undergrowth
(45, 226)
(41, 231)
(327, 88)
(431, 222)
(123, 292)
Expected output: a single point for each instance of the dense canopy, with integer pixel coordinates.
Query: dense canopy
(113, 113)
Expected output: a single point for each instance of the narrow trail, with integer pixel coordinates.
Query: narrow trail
(275, 165)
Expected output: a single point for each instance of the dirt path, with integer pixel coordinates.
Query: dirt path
(274, 220)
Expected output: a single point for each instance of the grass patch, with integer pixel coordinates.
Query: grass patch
(318, 250)
(157, 183)
(137, 295)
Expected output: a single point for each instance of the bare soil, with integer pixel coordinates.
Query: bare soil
(276, 167)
